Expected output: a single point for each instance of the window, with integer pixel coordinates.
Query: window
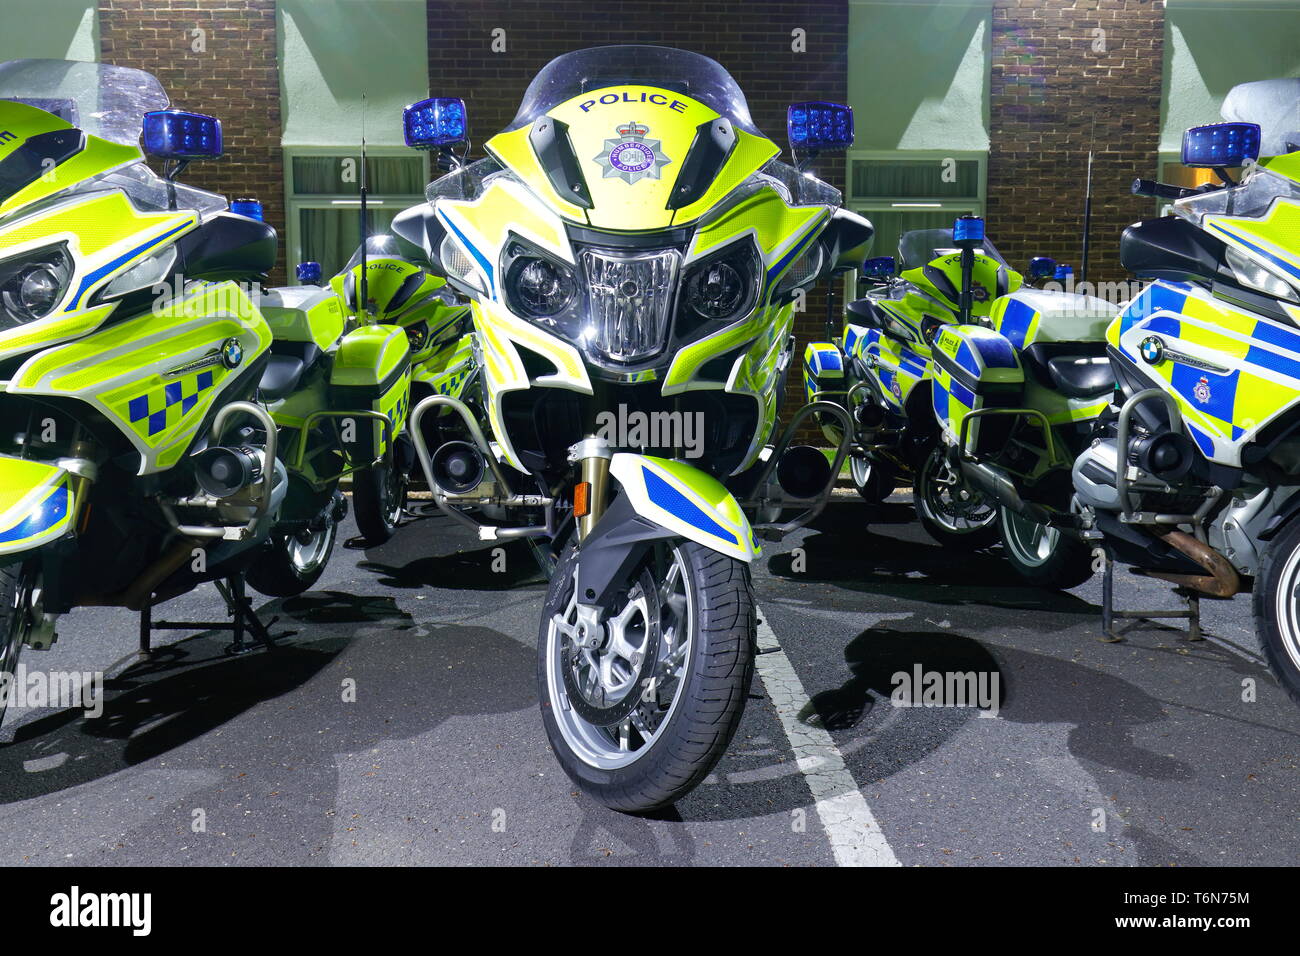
(324, 198)
(901, 191)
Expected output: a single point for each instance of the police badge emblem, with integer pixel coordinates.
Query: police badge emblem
(1202, 390)
(632, 156)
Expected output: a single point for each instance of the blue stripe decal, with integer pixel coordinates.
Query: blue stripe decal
(47, 514)
(1015, 323)
(966, 359)
(1160, 297)
(962, 393)
(482, 260)
(940, 402)
(1219, 391)
(1273, 362)
(996, 352)
(679, 506)
(1263, 252)
(117, 263)
(1274, 334)
(1203, 441)
(798, 247)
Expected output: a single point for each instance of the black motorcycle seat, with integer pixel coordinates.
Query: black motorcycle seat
(1081, 376)
(285, 368)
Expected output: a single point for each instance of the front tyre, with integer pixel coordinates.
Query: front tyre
(873, 482)
(639, 715)
(292, 563)
(378, 497)
(951, 512)
(1276, 608)
(19, 596)
(1043, 555)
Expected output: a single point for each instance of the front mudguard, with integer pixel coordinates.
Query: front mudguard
(36, 505)
(660, 500)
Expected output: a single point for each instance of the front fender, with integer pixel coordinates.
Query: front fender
(36, 504)
(686, 501)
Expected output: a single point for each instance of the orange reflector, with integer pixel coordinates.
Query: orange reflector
(582, 499)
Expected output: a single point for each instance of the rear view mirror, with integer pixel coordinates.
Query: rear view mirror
(818, 127)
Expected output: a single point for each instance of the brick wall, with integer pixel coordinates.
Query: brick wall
(751, 39)
(234, 77)
(1059, 88)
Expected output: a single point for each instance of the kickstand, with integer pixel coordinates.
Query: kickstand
(1192, 613)
(242, 619)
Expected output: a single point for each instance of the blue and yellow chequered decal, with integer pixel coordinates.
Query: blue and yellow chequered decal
(161, 408)
(1017, 322)
(1230, 370)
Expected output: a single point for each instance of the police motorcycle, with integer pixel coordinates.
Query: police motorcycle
(1195, 477)
(880, 366)
(633, 250)
(134, 463)
(402, 294)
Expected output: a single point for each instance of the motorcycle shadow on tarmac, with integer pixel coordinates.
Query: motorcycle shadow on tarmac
(843, 550)
(433, 552)
(275, 719)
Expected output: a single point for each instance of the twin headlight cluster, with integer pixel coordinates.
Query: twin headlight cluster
(619, 303)
(33, 284)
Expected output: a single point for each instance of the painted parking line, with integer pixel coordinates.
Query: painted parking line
(855, 837)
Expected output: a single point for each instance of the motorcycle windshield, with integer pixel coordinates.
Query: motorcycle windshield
(922, 246)
(1274, 105)
(632, 138)
(103, 100)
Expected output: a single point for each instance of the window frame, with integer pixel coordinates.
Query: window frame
(295, 203)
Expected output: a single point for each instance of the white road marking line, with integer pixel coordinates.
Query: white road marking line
(855, 836)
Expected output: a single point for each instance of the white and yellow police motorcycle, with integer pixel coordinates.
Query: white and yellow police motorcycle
(633, 250)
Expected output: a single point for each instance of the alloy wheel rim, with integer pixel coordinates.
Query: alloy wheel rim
(1031, 542)
(943, 505)
(620, 745)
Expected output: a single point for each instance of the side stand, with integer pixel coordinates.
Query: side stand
(1192, 614)
(242, 619)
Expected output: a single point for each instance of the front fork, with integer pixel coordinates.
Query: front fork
(591, 496)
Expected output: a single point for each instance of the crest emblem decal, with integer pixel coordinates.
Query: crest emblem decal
(632, 156)
(1202, 390)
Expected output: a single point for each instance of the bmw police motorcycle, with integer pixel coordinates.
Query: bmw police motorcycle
(133, 463)
(1195, 477)
(633, 250)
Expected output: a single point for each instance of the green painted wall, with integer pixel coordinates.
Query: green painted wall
(334, 51)
(1212, 45)
(919, 74)
(50, 29)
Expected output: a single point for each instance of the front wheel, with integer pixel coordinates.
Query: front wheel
(1043, 555)
(1276, 606)
(293, 562)
(951, 512)
(19, 596)
(640, 708)
(378, 497)
(873, 482)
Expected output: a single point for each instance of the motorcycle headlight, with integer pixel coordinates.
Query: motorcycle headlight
(541, 287)
(32, 285)
(722, 287)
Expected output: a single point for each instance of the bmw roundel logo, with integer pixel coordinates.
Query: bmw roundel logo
(232, 353)
(1153, 349)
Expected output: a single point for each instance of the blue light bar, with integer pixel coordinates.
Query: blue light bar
(1042, 267)
(1063, 272)
(968, 229)
(440, 121)
(252, 208)
(175, 134)
(308, 273)
(1221, 144)
(819, 126)
(878, 267)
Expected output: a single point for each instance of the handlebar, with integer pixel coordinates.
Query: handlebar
(1149, 187)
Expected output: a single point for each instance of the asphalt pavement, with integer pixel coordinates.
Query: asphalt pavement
(396, 722)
